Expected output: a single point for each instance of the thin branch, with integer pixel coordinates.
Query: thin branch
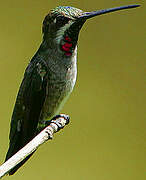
(42, 137)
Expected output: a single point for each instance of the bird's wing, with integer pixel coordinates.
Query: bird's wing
(29, 102)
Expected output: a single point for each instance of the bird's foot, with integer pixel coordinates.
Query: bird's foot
(56, 120)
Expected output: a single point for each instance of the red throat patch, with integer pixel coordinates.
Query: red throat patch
(67, 46)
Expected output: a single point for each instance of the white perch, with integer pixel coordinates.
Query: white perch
(42, 137)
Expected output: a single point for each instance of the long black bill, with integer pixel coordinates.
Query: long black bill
(88, 15)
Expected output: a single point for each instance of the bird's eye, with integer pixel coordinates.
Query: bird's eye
(62, 19)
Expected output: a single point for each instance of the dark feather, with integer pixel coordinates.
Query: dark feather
(27, 110)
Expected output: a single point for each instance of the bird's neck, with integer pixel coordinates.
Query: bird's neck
(62, 43)
(57, 56)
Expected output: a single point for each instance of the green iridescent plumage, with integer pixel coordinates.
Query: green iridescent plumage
(67, 11)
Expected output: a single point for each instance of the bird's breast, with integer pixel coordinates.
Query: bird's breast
(59, 87)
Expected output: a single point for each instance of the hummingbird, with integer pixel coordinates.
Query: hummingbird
(49, 77)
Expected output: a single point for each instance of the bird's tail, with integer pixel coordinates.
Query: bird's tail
(14, 147)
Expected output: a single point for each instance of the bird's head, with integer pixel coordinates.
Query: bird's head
(62, 26)
(63, 23)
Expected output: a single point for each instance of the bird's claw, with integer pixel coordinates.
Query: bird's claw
(56, 120)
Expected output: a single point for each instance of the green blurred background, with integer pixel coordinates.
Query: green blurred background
(106, 137)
